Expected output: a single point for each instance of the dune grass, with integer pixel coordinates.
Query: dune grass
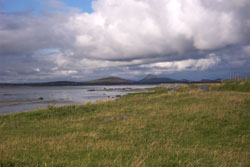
(187, 128)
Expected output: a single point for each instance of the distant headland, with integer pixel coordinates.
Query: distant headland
(149, 79)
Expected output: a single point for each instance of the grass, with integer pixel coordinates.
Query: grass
(243, 86)
(187, 128)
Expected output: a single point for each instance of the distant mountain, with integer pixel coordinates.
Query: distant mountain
(56, 83)
(149, 79)
(110, 80)
(156, 79)
(209, 81)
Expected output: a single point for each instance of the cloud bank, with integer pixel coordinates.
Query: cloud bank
(129, 37)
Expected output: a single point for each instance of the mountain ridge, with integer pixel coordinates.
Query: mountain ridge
(149, 79)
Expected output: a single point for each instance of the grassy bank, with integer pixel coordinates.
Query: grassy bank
(186, 128)
(242, 86)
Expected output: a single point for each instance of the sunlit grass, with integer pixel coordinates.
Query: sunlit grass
(187, 128)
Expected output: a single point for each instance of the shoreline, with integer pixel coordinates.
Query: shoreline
(104, 93)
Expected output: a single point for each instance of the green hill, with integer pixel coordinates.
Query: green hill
(110, 80)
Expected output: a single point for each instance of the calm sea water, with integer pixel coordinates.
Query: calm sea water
(20, 99)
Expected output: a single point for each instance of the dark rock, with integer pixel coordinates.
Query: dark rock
(40, 98)
(91, 90)
(118, 96)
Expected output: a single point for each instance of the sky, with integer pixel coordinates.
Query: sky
(51, 40)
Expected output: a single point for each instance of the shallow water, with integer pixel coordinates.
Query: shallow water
(20, 99)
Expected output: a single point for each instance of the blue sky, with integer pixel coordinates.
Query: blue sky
(21, 5)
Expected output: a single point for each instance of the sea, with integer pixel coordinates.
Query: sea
(21, 99)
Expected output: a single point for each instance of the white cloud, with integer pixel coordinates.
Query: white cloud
(141, 28)
(186, 65)
(169, 35)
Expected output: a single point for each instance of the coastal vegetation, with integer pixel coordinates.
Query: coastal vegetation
(184, 127)
(242, 85)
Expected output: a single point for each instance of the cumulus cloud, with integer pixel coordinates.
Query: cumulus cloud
(141, 28)
(184, 65)
(129, 36)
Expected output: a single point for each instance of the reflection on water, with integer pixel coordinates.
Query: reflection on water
(19, 99)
